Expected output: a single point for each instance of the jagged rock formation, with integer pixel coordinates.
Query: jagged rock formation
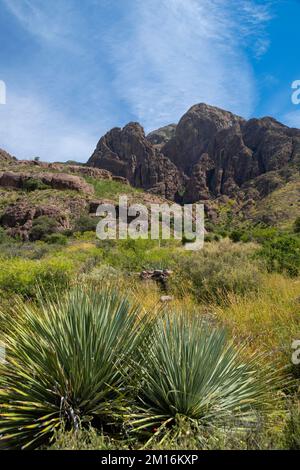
(127, 153)
(210, 153)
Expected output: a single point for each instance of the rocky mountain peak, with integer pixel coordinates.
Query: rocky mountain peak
(210, 153)
(129, 154)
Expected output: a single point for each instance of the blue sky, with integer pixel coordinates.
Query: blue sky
(76, 68)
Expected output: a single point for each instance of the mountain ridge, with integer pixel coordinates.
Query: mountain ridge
(210, 155)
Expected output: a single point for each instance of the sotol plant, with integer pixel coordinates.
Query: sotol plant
(67, 362)
(193, 372)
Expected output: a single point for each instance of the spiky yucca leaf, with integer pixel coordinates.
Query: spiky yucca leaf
(193, 371)
(66, 362)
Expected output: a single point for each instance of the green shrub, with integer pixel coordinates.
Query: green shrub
(236, 235)
(297, 225)
(85, 236)
(85, 439)
(212, 237)
(209, 237)
(56, 239)
(216, 271)
(34, 184)
(256, 234)
(3, 235)
(110, 189)
(282, 254)
(22, 276)
(192, 372)
(42, 227)
(135, 255)
(263, 234)
(67, 364)
(246, 237)
(86, 223)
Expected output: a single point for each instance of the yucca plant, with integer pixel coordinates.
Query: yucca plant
(193, 372)
(67, 362)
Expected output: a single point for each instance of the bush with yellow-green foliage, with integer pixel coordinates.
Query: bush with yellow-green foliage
(22, 276)
(135, 255)
(282, 254)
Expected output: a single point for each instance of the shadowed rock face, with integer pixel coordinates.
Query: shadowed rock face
(127, 153)
(210, 153)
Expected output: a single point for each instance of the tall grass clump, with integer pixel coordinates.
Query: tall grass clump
(67, 363)
(193, 373)
(269, 318)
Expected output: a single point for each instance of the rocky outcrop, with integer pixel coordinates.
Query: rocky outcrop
(96, 173)
(18, 218)
(36, 166)
(195, 135)
(161, 276)
(210, 153)
(128, 154)
(62, 181)
(6, 157)
(161, 136)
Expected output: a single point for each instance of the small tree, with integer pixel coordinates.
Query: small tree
(42, 227)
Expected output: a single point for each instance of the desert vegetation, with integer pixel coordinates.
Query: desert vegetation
(96, 359)
(98, 356)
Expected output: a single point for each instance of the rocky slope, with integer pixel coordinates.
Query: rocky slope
(30, 190)
(248, 168)
(210, 155)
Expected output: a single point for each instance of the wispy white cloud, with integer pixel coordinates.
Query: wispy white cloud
(54, 22)
(181, 52)
(151, 62)
(30, 127)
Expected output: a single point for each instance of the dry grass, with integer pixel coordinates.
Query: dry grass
(270, 318)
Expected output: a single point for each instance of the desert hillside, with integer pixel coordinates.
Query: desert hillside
(142, 344)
